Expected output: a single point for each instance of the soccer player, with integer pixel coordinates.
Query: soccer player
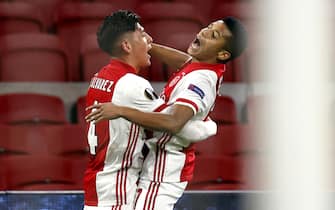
(115, 145)
(191, 94)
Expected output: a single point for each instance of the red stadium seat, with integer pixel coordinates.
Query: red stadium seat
(203, 7)
(122, 4)
(230, 140)
(224, 111)
(244, 10)
(92, 57)
(47, 8)
(42, 58)
(80, 107)
(18, 17)
(3, 182)
(52, 140)
(25, 108)
(43, 173)
(75, 21)
(225, 173)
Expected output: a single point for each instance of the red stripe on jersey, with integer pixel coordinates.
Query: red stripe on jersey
(147, 196)
(189, 102)
(157, 161)
(130, 157)
(163, 168)
(155, 196)
(152, 192)
(132, 140)
(163, 157)
(117, 187)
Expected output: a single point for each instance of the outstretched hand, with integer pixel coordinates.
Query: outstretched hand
(102, 111)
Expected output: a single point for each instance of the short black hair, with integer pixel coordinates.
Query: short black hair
(239, 39)
(113, 27)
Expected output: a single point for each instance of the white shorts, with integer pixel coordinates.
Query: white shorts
(120, 207)
(158, 195)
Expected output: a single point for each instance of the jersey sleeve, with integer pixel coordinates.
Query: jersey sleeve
(198, 130)
(136, 92)
(197, 90)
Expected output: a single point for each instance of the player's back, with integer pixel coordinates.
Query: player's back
(115, 145)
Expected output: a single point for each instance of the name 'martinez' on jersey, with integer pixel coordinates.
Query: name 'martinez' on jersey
(101, 84)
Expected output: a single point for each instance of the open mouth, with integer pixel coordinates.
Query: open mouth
(196, 43)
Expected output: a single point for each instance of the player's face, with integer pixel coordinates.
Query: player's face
(141, 44)
(209, 42)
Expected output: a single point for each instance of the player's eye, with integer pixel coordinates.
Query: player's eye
(215, 34)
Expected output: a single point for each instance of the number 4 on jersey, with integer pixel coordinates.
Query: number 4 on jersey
(92, 138)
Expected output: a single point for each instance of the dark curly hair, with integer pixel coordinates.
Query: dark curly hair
(113, 27)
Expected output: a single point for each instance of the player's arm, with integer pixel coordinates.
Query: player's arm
(172, 122)
(198, 130)
(172, 57)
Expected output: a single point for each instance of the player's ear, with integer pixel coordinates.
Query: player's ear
(223, 55)
(126, 46)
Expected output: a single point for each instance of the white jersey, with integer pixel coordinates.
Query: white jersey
(170, 158)
(115, 145)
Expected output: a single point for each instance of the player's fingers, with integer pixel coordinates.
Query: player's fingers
(94, 106)
(91, 116)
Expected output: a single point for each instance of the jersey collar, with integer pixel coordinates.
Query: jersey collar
(122, 65)
(218, 67)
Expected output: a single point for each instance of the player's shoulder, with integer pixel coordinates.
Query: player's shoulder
(131, 81)
(201, 74)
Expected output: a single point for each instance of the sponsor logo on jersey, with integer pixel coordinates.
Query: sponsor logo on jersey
(197, 90)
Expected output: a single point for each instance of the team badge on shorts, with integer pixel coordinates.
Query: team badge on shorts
(197, 90)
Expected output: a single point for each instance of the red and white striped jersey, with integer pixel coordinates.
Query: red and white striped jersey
(115, 145)
(170, 158)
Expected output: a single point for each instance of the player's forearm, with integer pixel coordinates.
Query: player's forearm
(155, 121)
(172, 57)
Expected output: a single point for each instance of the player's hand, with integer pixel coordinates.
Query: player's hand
(102, 111)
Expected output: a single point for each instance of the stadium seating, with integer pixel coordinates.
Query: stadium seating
(74, 21)
(230, 140)
(47, 8)
(43, 173)
(92, 58)
(18, 17)
(241, 9)
(123, 4)
(42, 58)
(224, 111)
(80, 108)
(52, 140)
(31, 108)
(217, 172)
(203, 7)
